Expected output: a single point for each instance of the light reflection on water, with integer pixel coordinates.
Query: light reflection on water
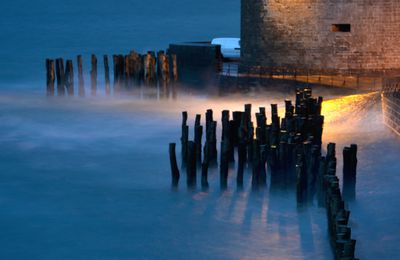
(97, 169)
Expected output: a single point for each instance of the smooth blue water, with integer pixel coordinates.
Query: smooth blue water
(31, 31)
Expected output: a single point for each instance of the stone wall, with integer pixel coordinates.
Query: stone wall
(299, 34)
(391, 103)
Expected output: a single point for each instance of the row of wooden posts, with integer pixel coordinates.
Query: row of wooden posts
(331, 197)
(289, 149)
(130, 70)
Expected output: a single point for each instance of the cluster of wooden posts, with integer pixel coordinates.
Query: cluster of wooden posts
(130, 70)
(289, 149)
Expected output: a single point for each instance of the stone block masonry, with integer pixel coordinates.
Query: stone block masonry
(391, 103)
(336, 35)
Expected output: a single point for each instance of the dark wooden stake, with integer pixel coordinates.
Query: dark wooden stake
(174, 166)
(191, 165)
(349, 172)
(69, 77)
(174, 67)
(60, 77)
(93, 75)
(107, 75)
(50, 77)
(184, 138)
(198, 134)
(81, 83)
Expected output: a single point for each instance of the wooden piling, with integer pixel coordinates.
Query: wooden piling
(191, 165)
(93, 75)
(198, 134)
(211, 138)
(81, 83)
(349, 172)
(150, 69)
(174, 67)
(50, 77)
(60, 77)
(69, 77)
(107, 75)
(127, 71)
(174, 166)
(163, 68)
(160, 55)
(184, 138)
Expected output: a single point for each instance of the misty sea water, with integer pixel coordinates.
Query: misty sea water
(89, 178)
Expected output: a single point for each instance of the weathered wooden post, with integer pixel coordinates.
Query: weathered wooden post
(147, 69)
(69, 77)
(137, 68)
(107, 75)
(191, 165)
(198, 134)
(93, 75)
(237, 117)
(150, 68)
(174, 166)
(174, 67)
(349, 172)
(127, 72)
(242, 135)
(211, 137)
(122, 71)
(160, 55)
(184, 138)
(119, 71)
(50, 77)
(165, 70)
(227, 125)
(60, 77)
(81, 83)
(247, 111)
(115, 69)
(213, 142)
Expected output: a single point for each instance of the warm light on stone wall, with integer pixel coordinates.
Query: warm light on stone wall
(321, 34)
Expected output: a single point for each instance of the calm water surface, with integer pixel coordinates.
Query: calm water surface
(89, 178)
